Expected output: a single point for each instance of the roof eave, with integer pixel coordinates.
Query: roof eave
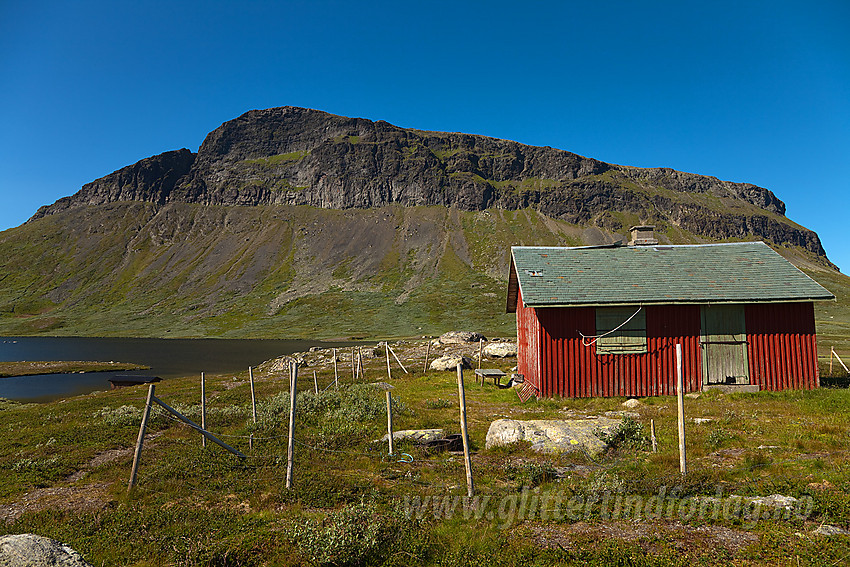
(677, 302)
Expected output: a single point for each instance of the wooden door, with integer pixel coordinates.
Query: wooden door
(724, 345)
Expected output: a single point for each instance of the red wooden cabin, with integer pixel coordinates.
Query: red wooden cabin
(604, 321)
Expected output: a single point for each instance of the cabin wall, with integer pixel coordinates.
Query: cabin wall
(570, 366)
(553, 355)
(782, 346)
(528, 342)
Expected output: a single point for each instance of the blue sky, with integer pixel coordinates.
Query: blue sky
(754, 92)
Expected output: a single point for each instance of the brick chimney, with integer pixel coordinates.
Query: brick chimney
(643, 235)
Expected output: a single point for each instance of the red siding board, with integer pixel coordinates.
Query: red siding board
(782, 346)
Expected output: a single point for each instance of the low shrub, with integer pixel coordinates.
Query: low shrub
(629, 434)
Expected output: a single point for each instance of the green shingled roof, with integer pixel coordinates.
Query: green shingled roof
(711, 273)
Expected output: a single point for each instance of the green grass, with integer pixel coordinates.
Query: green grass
(200, 506)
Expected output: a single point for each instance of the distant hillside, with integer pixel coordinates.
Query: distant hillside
(295, 222)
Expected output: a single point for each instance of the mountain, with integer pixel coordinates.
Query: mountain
(296, 222)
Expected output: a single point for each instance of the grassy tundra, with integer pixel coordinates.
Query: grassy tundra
(65, 467)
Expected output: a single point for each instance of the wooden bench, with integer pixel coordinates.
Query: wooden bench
(485, 373)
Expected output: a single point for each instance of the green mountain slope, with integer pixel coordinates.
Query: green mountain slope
(188, 270)
(292, 222)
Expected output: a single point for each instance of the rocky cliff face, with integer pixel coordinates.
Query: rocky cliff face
(151, 180)
(297, 156)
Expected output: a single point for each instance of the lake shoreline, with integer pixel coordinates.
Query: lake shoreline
(13, 369)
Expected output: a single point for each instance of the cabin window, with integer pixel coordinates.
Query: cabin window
(616, 336)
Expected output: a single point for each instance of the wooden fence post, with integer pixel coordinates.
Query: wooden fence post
(427, 352)
(680, 394)
(196, 427)
(390, 420)
(389, 371)
(315, 383)
(480, 353)
(290, 450)
(336, 373)
(353, 366)
(203, 409)
(253, 396)
(140, 441)
(831, 352)
(652, 436)
(470, 489)
(841, 362)
(395, 356)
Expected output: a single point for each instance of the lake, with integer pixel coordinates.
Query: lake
(167, 358)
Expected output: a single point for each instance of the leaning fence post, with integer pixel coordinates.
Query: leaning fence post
(315, 383)
(389, 371)
(140, 441)
(203, 409)
(470, 490)
(290, 450)
(397, 359)
(680, 395)
(841, 362)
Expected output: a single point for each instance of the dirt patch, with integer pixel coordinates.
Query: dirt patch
(88, 498)
(72, 497)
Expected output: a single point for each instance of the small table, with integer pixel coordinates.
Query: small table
(495, 373)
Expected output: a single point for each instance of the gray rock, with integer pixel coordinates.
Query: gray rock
(775, 501)
(500, 350)
(460, 337)
(621, 414)
(450, 362)
(30, 550)
(553, 435)
(829, 530)
(631, 403)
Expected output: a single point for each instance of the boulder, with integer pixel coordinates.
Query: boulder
(30, 550)
(500, 350)
(460, 337)
(450, 362)
(553, 435)
(830, 530)
(631, 403)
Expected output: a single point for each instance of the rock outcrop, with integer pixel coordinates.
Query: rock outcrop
(30, 550)
(553, 435)
(500, 350)
(450, 362)
(460, 337)
(298, 156)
